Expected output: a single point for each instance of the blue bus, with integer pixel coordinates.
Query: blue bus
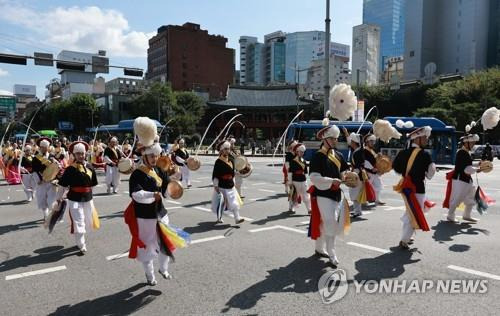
(442, 143)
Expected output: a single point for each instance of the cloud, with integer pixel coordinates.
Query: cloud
(86, 29)
(3, 72)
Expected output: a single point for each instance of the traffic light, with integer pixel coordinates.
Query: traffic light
(132, 72)
(13, 59)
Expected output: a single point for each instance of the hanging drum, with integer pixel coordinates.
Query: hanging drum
(175, 189)
(383, 163)
(125, 166)
(193, 163)
(50, 172)
(240, 162)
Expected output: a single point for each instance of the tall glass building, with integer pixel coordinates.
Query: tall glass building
(301, 50)
(389, 16)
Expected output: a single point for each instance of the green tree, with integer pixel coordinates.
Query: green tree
(184, 109)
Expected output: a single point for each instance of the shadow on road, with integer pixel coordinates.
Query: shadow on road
(277, 217)
(300, 276)
(203, 227)
(43, 255)
(14, 203)
(26, 225)
(121, 303)
(197, 204)
(444, 232)
(387, 266)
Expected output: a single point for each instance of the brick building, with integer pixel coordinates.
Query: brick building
(191, 59)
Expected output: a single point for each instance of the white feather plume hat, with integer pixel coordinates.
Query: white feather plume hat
(146, 130)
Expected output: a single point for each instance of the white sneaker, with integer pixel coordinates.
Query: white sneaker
(334, 261)
(165, 275)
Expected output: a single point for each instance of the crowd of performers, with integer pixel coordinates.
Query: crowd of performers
(62, 175)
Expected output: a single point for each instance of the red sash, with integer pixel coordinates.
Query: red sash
(131, 221)
(449, 177)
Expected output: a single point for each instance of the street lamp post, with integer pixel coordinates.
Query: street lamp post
(327, 57)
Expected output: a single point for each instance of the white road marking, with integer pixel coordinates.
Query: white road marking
(257, 230)
(259, 199)
(393, 208)
(368, 247)
(107, 196)
(264, 190)
(203, 178)
(196, 181)
(36, 272)
(204, 209)
(173, 202)
(475, 272)
(175, 207)
(201, 240)
(295, 230)
(305, 222)
(259, 183)
(118, 256)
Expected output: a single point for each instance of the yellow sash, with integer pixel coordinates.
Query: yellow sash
(82, 169)
(301, 164)
(331, 155)
(398, 187)
(152, 173)
(43, 160)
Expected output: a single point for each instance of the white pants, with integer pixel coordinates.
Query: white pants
(376, 182)
(238, 181)
(81, 215)
(29, 185)
(461, 192)
(408, 230)
(112, 178)
(231, 201)
(148, 235)
(353, 194)
(186, 175)
(301, 188)
(45, 195)
(330, 227)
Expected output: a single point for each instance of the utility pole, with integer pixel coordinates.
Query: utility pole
(327, 57)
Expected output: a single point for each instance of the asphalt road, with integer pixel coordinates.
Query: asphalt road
(263, 267)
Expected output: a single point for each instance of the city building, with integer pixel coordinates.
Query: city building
(389, 15)
(75, 80)
(191, 59)
(493, 58)
(266, 110)
(25, 95)
(256, 64)
(393, 70)
(453, 35)
(284, 58)
(339, 73)
(301, 49)
(244, 41)
(7, 106)
(365, 54)
(119, 93)
(275, 58)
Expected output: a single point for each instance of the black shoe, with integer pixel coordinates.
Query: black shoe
(411, 241)
(321, 255)
(403, 245)
(241, 220)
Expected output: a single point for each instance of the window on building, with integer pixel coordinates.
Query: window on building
(412, 53)
(121, 81)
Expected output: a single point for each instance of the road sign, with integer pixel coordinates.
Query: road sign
(43, 59)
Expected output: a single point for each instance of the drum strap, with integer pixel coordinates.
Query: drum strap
(81, 168)
(227, 161)
(152, 173)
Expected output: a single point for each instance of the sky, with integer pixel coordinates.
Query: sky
(123, 28)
